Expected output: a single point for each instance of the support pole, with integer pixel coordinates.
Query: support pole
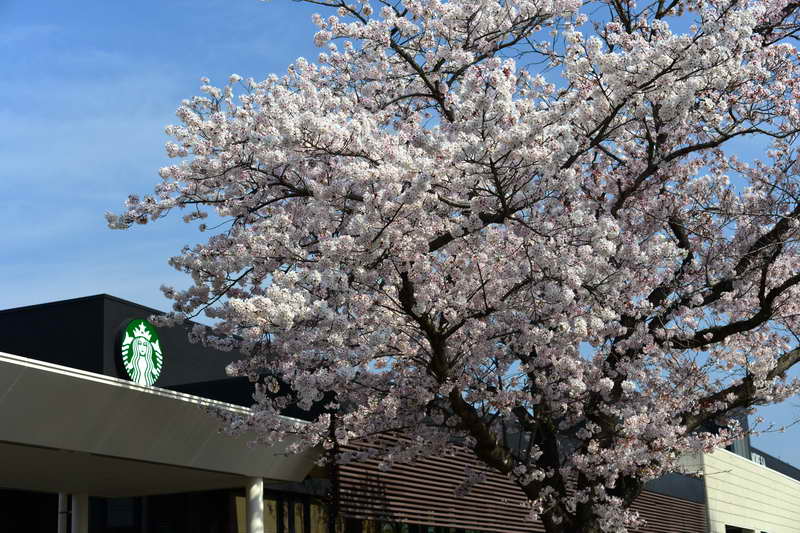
(63, 511)
(255, 505)
(80, 513)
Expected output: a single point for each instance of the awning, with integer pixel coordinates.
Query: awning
(68, 430)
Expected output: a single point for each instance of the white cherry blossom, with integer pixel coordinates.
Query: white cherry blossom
(502, 224)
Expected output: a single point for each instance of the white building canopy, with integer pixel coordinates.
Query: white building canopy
(72, 431)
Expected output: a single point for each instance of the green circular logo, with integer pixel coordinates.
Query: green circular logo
(141, 352)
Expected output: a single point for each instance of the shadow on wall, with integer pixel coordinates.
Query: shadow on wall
(365, 497)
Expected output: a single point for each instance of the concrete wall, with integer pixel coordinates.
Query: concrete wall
(747, 495)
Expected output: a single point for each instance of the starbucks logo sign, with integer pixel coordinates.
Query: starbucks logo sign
(141, 352)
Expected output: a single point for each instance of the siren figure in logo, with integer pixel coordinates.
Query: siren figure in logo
(141, 352)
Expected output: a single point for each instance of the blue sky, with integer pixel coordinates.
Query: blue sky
(87, 90)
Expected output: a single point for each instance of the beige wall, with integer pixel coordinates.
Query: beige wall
(742, 493)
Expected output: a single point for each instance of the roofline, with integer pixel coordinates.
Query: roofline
(118, 382)
(101, 296)
(749, 460)
(763, 452)
(777, 459)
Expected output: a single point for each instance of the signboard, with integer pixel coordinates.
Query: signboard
(141, 352)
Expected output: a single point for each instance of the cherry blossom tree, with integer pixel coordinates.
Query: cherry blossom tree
(521, 225)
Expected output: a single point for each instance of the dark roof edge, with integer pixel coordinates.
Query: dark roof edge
(773, 463)
(101, 296)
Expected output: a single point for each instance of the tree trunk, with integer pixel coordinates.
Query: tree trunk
(333, 475)
(570, 526)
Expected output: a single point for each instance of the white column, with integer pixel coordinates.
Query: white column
(63, 511)
(80, 513)
(255, 505)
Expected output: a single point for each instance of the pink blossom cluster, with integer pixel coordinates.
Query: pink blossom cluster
(563, 265)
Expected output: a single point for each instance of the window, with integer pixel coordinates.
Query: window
(734, 529)
(270, 515)
(319, 518)
(120, 512)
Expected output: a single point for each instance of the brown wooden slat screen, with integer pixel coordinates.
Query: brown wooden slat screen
(422, 493)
